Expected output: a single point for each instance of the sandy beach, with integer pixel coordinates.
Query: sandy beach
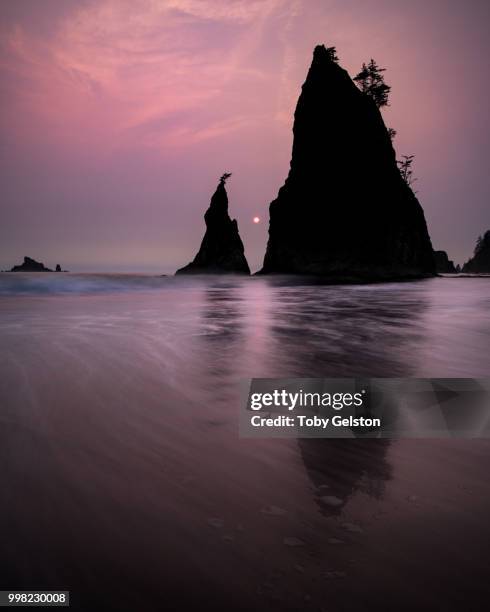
(124, 479)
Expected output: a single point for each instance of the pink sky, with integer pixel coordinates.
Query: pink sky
(119, 116)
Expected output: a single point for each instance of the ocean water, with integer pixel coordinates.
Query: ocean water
(124, 479)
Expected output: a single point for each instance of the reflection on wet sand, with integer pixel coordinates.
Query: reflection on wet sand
(366, 332)
(336, 342)
(339, 468)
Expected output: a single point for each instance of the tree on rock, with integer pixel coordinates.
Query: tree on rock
(332, 54)
(480, 262)
(371, 82)
(405, 167)
(482, 242)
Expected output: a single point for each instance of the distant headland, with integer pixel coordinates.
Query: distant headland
(480, 262)
(31, 265)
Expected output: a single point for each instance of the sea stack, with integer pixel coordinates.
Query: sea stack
(443, 264)
(221, 250)
(480, 262)
(344, 211)
(30, 265)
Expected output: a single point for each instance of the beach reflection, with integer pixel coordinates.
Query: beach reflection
(339, 468)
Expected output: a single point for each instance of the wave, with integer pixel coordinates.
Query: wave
(79, 283)
(46, 283)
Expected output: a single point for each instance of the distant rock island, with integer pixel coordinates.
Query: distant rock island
(221, 250)
(344, 211)
(443, 264)
(480, 262)
(30, 265)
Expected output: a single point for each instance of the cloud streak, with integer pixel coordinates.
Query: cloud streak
(117, 65)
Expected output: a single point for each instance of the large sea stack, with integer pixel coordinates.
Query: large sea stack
(344, 211)
(221, 249)
(480, 262)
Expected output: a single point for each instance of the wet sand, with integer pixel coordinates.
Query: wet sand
(124, 479)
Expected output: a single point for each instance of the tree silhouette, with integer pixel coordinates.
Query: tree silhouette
(482, 242)
(391, 134)
(478, 246)
(371, 82)
(405, 167)
(332, 54)
(224, 177)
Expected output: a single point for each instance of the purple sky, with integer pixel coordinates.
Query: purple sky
(117, 118)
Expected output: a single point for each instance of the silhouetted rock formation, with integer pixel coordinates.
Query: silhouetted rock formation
(58, 268)
(30, 265)
(221, 249)
(480, 262)
(344, 211)
(443, 264)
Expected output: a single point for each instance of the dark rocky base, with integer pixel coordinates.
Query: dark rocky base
(197, 271)
(467, 275)
(347, 278)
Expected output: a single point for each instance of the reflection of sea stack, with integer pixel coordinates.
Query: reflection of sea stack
(344, 210)
(480, 262)
(443, 264)
(221, 249)
(30, 265)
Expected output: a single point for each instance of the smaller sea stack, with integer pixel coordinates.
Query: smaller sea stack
(221, 250)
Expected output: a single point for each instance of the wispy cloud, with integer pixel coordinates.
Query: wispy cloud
(114, 65)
